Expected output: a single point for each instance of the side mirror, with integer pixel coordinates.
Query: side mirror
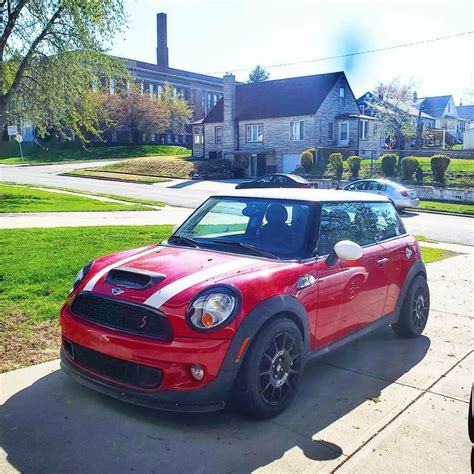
(344, 250)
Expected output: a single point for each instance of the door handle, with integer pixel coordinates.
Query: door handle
(382, 261)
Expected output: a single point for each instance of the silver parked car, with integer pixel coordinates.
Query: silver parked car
(400, 196)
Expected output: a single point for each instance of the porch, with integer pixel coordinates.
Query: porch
(252, 164)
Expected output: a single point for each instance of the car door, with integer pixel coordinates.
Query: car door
(351, 295)
(399, 248)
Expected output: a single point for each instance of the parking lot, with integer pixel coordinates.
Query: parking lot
(381, 403)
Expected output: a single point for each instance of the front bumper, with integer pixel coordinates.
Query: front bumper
(211, 397)
(177, 390)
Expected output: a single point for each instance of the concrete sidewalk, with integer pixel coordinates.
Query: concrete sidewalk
(381, 404)
(165, 215)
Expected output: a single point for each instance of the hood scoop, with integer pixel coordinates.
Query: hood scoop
(133, 278)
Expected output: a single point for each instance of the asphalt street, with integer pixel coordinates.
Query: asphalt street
(189, 193)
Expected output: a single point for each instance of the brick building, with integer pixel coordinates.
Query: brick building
(264, 127)
(201, 91)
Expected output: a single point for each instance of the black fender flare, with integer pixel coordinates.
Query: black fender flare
(260, 315)
(416, 269)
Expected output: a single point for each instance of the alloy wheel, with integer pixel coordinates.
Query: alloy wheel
(280, 368)
(420, 307)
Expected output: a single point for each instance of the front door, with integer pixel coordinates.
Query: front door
(261, 164)
(350, 295)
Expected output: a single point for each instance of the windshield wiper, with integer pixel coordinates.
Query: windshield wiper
(248, 247)
(186, 240)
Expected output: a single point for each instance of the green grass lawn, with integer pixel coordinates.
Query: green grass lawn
(26, 199)
(431, 254)
(35, 277)
(455, 208)
(63, 152)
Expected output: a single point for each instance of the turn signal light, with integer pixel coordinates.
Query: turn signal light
(207, 320)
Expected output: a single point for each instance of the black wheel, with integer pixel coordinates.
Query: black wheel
(415, 309)
(470, 418)
(269, 376)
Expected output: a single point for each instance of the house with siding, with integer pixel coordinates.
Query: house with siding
(264, 127)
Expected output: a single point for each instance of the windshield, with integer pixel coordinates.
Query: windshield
(272, 228)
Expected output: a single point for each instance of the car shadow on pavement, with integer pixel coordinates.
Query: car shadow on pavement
(56, 425)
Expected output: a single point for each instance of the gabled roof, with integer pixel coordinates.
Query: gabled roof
(435, 106)
(410, 109)
(466, 112)
(278, 98)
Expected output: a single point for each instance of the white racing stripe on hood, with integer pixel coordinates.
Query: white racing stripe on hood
(91, 283)
(167, 292)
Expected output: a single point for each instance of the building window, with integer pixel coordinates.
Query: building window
(375, 129)
(203, 97)
(218, 134)
(142, 87)
(362, 109)
(209, 100)
(114, 136)
(344, 132)
(254, 133)
(296, 130)
(198, 138)
(153, 137)
(449, 107)
(363, 129)
(330, 131)
(112, 87)
(342, 96)
(159, 89)
(151, 90)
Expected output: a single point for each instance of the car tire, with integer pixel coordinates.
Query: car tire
(470, 419)
(415, 309)
(271, 371)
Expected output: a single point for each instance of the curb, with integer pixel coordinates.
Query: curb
(427, 211)
(106, 179)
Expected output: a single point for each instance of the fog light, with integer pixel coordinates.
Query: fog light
(197, 371)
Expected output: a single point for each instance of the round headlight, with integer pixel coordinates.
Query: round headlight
(80, 275)
(213, 308)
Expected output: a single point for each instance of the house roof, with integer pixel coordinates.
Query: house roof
(406, 107)
(466, 112)
(278, 98)
(435, 106)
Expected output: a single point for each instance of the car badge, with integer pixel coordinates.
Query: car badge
(117, 291)
(408, 253)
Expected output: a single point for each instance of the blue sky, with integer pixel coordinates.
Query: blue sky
(212, 36)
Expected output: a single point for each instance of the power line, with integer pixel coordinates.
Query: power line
(358, 53)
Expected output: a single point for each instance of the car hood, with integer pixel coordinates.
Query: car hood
(167, 272)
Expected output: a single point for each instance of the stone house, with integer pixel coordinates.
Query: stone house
(264, 127)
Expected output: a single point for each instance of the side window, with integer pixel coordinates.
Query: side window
(280, 180)
(384, 220)
(343, 221)
(264, 180)
(361, 186)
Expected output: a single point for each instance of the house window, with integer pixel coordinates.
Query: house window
(114, 136)
(159, 89)
(112, 87)
(330, 131)
(150, 88)
(254, 133)
(198, 138)
(296, 130)
(153, 137)
(362, 109)
(363, 129)
(218, 134)
(342, 96)
(142, 87)
(375, 129)
(449, 107)
(344, 132)
(209, 100)
(203, 98)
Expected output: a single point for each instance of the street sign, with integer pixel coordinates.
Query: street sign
(12, 130)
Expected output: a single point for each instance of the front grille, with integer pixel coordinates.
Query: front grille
(122, 315)
(121, 371)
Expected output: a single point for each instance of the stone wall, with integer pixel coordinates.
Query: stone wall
(464, 196)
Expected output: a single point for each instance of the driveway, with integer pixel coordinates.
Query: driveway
(379, 404)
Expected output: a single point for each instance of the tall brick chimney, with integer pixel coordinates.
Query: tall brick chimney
(161, 41)
(228, 129)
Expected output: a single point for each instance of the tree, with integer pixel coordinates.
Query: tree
(137, 114)
(51, 53)
(307, 160)
(389, 104)
(259, 74)
(179, 111)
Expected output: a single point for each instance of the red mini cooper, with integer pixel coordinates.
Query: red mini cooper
(232, 306)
